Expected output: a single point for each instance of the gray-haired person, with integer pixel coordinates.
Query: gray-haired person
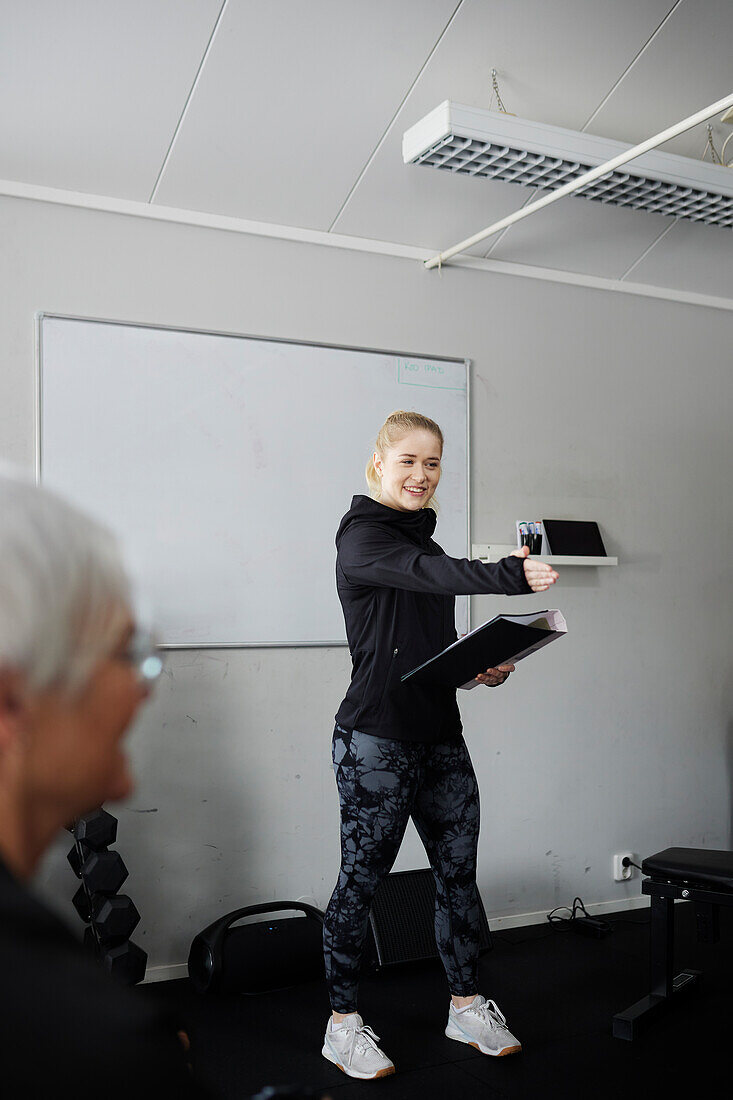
(73, 672)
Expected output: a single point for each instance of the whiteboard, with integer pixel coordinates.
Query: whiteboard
(224, 464)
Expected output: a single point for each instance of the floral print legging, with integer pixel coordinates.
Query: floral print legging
(381, 783)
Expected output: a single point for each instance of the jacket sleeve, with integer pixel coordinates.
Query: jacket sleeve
(370, 555)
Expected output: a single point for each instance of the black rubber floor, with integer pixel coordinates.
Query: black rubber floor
(559, 992)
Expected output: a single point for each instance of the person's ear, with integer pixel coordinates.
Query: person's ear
(12, 706)
(378, 464)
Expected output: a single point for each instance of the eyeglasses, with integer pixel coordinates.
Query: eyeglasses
(143, 654)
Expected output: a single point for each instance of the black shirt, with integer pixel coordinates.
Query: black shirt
(68, 1029)
(397, 589)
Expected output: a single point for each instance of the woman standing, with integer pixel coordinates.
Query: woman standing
(398, 750)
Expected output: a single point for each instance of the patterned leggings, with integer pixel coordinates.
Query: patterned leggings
(381, 783)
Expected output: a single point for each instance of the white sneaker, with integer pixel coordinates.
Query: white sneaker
(483, 1026)
(352, 1046)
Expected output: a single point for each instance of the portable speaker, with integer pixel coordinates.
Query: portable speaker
(258, 957)
(402, 919)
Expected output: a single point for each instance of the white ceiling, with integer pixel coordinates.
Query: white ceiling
(293, 113)
(92, 90)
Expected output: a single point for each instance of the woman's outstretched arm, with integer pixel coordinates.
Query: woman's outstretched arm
(371, 555)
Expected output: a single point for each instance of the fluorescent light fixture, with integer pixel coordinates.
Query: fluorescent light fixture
(472, 141)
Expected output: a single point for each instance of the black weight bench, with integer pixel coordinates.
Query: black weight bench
(700, 875)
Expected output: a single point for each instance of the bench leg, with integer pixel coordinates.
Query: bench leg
(661, 946)
(628, 1024)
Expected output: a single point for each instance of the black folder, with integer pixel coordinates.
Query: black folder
(503, 640)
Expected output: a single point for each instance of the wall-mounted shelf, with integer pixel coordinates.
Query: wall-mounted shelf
(494, 551)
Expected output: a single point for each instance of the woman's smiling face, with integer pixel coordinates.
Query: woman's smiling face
(410, 471)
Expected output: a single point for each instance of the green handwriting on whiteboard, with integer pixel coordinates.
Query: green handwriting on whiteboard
(435, 375)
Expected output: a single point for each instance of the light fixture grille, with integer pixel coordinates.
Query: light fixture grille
(471, 157)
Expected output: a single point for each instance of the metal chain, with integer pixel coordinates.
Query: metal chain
(497, 93)
(710, 145)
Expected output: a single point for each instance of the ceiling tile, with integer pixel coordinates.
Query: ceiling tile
(555, 65)
(694, 258)
(96, 89)
(291, 102)
(685, 67)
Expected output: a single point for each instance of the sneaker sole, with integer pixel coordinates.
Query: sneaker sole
(484, 1050)
(387, 1072)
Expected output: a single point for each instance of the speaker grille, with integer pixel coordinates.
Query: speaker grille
(402, 919)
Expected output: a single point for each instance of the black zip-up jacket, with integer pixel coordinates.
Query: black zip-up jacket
(397, 589)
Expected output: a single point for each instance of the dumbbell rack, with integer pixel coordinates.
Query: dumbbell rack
(110, 917)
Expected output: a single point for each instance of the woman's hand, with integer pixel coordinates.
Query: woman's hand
(493, 677)
(539, 576)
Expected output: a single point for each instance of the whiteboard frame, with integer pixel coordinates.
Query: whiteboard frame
(41, 315)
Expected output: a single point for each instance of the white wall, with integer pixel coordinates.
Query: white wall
(586, 404)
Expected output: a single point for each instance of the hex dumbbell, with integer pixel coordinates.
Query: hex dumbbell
(97, 830)
(125, 961)
(103, 872)
(114, 918)
(77, 856)
(80, 901)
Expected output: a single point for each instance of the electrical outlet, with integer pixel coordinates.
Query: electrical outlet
(621, 873)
